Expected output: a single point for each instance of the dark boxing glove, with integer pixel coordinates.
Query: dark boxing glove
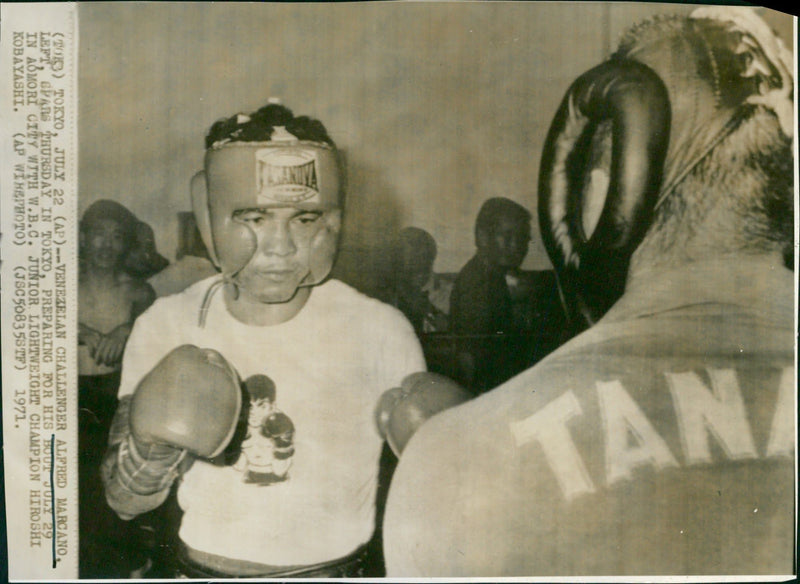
(629, 100)
(190, 401)
(402, 410)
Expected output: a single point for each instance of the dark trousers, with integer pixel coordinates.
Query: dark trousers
(354, 565)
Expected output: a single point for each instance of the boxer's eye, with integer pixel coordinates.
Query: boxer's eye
(250, 217)
(308, 218)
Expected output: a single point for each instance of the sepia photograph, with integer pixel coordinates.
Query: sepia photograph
(399, 290)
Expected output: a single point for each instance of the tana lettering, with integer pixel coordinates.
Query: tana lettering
(702, 412)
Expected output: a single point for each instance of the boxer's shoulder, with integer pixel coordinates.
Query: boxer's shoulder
(185, 303)
(341, 298)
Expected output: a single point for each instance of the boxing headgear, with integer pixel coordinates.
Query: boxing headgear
(675, 88)
(284, 172)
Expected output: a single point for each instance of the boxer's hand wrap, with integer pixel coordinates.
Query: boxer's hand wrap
(145, 469)
(633, 100)
(136, 477)
(402, 410)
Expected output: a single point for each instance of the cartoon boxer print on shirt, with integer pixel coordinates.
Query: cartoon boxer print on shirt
(266, 451)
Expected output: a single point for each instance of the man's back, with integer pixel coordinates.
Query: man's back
(659, 442)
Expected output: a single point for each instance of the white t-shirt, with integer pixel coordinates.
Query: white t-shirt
(313, 497)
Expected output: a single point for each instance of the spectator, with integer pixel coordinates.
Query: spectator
(485, 305)
(422, 296)
(109, 300)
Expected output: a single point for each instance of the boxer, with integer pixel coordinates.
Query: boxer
(253, 392)
(660, 441)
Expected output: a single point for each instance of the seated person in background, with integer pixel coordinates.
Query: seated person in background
(662, 440)
(482, 303)
(191, 264)
(109, 300)
(419, 293)
(289, 490)
(535, 302)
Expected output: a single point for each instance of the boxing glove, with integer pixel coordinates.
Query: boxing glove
(402, 410)
(190, 400)
(613, 121)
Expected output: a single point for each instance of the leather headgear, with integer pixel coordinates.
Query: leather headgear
(258, 175)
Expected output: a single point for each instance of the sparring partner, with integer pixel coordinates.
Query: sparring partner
(255, 391)
(661, 440)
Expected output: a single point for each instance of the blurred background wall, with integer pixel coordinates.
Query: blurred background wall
(437, 106)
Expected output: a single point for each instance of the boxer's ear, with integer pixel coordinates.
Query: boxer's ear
(333, 220)
(199, 192)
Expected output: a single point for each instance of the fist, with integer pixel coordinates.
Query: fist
(402, 410)
(190, 400)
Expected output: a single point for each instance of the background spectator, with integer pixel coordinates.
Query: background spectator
(487, 304)
(109, 300)
(423, 296)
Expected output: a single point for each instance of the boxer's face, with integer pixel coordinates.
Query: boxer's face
(507, 244)
(104, 244)
(259, 451)
(286, 239)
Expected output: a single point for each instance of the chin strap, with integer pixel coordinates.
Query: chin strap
(209, 295)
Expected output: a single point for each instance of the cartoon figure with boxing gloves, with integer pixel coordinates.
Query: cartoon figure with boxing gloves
(265, 454)
(269, 207)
